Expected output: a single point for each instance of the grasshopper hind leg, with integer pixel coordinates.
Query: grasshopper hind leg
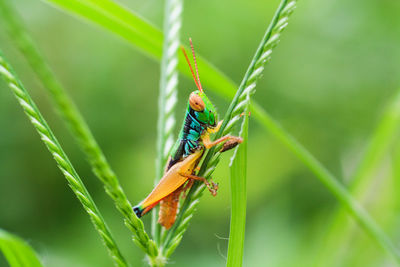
(213, 187)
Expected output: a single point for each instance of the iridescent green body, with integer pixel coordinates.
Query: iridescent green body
(200, 121)
(196, 122)
(193, 126)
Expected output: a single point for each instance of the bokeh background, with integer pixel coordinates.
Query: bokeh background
(330, 78)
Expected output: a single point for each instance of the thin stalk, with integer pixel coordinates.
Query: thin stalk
(76, 124)
(62, 160)
(167, 95)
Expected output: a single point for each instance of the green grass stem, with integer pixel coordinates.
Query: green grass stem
(62, 160)
(167, 95)
(238, 174)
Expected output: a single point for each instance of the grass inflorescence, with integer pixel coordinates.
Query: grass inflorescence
(62, 160)
(167, 95)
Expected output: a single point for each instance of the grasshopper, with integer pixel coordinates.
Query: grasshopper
(194, 138)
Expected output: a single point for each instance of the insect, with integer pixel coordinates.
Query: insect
(200, 121)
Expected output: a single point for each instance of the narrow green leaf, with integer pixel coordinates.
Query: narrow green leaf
(17, 252)
(238, 171)
(142, 35)
(119, 21)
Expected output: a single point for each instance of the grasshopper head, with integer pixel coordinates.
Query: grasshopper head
(199, 104)
(203, 109)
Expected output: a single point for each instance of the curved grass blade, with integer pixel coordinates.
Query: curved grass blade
(62, 160)
(17, 252)
(79, 128)
(238, 171)
(142, 35)
(117, 19)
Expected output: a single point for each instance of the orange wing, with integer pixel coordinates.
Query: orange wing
(172, 179)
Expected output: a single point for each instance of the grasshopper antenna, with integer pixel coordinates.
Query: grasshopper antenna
(195, 64)
(191, 69)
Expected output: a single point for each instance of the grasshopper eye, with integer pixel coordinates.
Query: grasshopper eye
(196, 102)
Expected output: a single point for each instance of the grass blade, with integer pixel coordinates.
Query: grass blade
(238, 170)
(72, 117)
(142, 35)
(167, 95)
(17, 252)
(62, 160)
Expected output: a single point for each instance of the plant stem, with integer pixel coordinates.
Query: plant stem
(238, 170)
(167, 96)
(62, 160)
(76, 124)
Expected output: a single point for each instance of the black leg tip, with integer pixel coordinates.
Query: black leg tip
(138, 211)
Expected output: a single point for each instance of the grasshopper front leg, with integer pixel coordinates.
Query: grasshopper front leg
(230, 142)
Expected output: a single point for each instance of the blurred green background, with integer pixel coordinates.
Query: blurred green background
(329, 80)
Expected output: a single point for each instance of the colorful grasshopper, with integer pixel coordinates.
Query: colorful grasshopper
(199, 122)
